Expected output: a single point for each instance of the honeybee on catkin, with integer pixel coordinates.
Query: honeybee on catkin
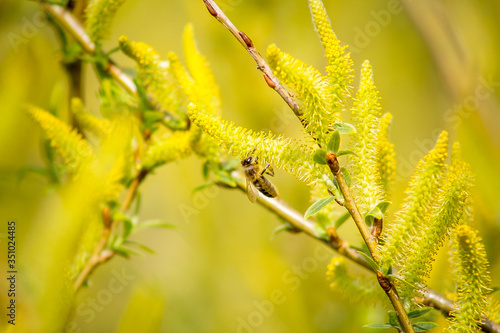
(256, 180)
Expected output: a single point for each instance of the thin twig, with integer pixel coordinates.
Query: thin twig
(262, 65)
(445, 306)
(370, 241)
(290, 215)
(100, 254)
(287, 213)
(71, 24)
(351, 206)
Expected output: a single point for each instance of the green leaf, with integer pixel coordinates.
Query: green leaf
(402, 280)
(334, 143)
(320, 156)
(346, 152)
(175, 124)
(386, 268)
(393, 319)
(154, 223)
(383, 205)
(118, 247)
(423, 326)
(151, 118)
(225, 178)
(141, 246)
(418, 312)
(376, 213)
(229, 165)
(128, 227)
(113, 50)
(378, 326)
(124, 252)
(206, 169)
(128, 223)
(347, 176)
(320, 232)
(323, 220)
(333, 186)
(317, 206)
(285, 226)
(138, 201)
(201, 187)
(31, 169)
(370, 260)
(345, 128)
(341, 220)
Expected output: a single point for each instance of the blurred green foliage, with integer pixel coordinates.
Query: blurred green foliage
(217, 272)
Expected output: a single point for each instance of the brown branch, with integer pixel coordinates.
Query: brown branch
(351, 206)
(445, 306)
(100, 253)
(370, 240)
(262, 65)
(66, 20)
(280, 208)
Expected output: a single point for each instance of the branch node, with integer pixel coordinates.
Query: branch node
(377, 228)
(333, 162)
(339, 202)
(335, 240)
(211, 9)
(246, 39)
(269, 82)
(106, 217)
(384, 282)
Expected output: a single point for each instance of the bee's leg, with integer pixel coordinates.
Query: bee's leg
(263, 171)
(256, 161)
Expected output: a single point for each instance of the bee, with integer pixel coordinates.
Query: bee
(256, 180)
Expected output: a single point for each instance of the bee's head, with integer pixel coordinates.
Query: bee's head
(247, 161)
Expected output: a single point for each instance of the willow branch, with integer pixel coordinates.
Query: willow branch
(370, 241)
(262, 65)
(281, 209)
(351, 206)
(290, 215)
(70, 23)
(443, 304)
(101, 254)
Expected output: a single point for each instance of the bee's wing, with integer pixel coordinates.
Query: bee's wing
(252, 191)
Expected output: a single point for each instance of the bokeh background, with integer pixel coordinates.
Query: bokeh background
(436, 65)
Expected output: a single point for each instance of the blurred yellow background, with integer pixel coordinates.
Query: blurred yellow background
(436, 65)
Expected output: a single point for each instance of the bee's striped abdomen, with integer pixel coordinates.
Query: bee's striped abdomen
(265, 187)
